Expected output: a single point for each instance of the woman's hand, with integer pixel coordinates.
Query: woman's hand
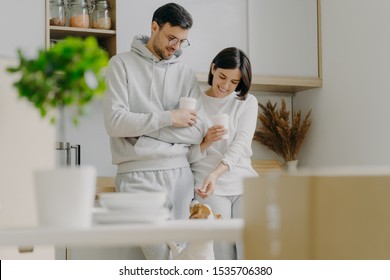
(209, 182)
(208, 186)
(214, 133)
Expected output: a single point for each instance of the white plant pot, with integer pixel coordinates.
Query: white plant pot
(292, 166)
(65, 196)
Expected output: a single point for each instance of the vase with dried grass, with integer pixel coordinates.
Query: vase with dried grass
(279, 134)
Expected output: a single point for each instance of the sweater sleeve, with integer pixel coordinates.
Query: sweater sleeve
(188, 135)
(242, 143)
(195, 154)
(118, 119)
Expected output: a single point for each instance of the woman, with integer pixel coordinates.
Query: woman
(228, 159)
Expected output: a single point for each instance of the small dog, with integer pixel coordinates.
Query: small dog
(196, 250)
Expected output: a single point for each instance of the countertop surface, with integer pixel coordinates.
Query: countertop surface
(126, 234)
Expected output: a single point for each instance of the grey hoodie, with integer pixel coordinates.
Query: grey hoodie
(141, 92)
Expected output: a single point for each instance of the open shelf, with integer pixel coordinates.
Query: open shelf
(60, 32)
(277, 83)
(106, 38)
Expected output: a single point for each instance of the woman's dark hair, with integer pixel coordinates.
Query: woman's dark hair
(174, 14)
(232, 58)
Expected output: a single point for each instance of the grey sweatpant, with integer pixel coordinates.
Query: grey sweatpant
(179, 185)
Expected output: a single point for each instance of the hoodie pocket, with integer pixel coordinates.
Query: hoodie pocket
(150, 148)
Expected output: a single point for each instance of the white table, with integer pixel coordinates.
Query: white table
(126, 234)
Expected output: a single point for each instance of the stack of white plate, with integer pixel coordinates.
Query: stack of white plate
(120, 208)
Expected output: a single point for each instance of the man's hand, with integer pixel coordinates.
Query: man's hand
(183, 117)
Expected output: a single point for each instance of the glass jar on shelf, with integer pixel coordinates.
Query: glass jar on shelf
(57, 13)
(101, 14)
(78, 13)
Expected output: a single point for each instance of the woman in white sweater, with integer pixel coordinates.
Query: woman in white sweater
(225, 162)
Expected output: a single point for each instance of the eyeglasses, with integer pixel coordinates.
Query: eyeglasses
(173, 42)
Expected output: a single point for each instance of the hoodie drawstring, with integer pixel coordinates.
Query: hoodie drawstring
(163, 86)
(163, 92)
(152, 79)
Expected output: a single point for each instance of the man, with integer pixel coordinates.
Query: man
(149, 135)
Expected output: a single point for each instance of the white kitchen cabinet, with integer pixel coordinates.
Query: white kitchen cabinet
(283, 37)
(22, 26)
(280, 36)
(45, 252)
(284, 44)
(25, 146)
(217, 24)
(111, 241)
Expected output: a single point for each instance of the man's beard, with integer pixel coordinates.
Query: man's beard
(160, 52)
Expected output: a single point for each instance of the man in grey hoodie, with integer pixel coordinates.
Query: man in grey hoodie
(149, 135)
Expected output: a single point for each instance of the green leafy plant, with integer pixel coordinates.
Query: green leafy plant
(278, 134)
(69, 74)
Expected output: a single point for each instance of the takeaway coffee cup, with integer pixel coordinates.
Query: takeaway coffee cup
(222, 119)
(187, 103)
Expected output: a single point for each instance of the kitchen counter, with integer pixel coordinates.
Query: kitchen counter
(126, 234)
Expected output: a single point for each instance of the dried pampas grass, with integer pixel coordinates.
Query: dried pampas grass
(276, 132)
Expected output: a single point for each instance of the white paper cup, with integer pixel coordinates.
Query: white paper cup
(222, 119)
(187, 103)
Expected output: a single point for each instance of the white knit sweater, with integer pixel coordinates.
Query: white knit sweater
(236, 150)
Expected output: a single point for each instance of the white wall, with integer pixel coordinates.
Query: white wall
(22, 25)
(351, 112)
(94, 142)
(261, 152)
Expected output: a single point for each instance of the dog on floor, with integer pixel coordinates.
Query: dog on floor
(196, 250)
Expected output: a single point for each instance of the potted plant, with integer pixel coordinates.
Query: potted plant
(67, 75)
(283, 137)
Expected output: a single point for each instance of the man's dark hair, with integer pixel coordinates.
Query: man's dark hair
(173, 14)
